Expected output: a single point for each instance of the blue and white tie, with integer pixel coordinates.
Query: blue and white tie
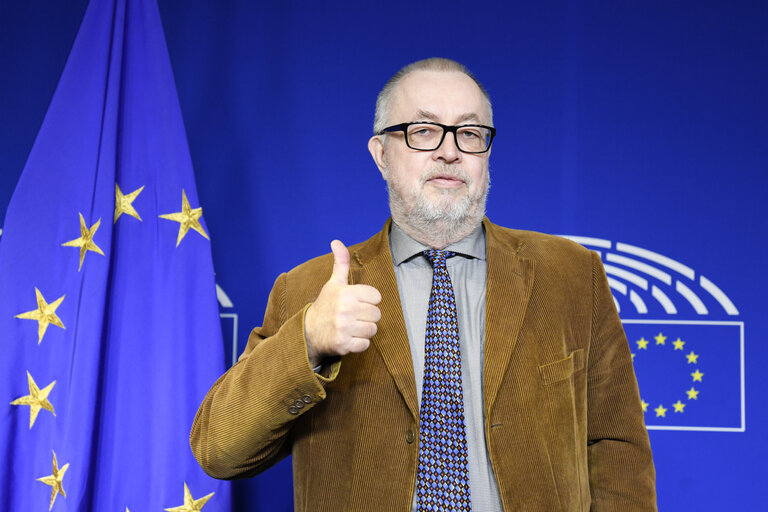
(443, 479)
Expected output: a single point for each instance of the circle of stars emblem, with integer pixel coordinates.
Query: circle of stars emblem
(660, 340)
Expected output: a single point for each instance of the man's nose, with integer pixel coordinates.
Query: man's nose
(448, 151)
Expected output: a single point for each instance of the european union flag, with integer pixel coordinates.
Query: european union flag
(690, 373)
(108, 314)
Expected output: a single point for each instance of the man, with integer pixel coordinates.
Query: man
(446, 363)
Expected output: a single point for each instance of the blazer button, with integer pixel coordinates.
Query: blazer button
(307, 399)
(293, 410)
(298, 404)
(410, 436)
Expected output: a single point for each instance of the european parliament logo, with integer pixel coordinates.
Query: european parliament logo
(686, 339)
(229, 321)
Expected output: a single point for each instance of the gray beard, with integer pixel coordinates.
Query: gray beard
(440, 222)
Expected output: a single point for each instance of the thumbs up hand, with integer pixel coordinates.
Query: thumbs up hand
(343, 318)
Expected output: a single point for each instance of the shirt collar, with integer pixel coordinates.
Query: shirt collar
(404, 247)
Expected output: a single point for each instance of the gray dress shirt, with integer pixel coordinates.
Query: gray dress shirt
(468, 275)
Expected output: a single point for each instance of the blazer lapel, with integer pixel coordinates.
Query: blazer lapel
(372, 265)
(508, 289)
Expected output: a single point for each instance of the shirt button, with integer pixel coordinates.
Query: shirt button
(293, 410)
(410, 436)
(298, 404)
(307, 399)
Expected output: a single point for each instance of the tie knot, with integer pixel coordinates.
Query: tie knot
(437, 258)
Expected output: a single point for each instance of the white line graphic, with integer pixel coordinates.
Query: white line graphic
(658, 258)
(663, 300)
(638, 302)
(617, 285)
(627, 276)
(695, 301)
(642, 267)
(222, 297)
(233, 316)
(718, 295)
(225, 302)
(585, 240)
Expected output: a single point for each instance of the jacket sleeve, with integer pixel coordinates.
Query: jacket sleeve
(621, 471)
(243, 425)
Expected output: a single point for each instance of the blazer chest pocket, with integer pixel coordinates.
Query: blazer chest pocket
(562, 369)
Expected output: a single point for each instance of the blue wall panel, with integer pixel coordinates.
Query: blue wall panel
(633, 125)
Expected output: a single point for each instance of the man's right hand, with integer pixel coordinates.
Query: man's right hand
(343, 318)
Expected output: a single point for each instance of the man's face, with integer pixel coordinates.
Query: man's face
(444, 184)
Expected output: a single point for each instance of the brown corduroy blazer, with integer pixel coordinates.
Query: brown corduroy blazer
(563, 423)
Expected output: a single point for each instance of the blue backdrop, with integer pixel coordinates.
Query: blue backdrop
(642, 128)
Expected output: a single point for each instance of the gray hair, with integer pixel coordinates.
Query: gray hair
(384, 99)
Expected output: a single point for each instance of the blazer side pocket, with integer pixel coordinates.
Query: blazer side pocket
(562, 369)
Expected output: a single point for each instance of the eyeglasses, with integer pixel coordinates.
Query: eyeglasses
(422, 136)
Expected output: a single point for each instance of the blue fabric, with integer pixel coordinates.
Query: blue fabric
(141, 341)
(443, 476)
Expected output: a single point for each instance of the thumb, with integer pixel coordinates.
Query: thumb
(340, 263)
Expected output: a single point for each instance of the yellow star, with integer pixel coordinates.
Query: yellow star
(692, 358)
(633, 357)
(644, 405)
(85, 242)
(45, 314)
(123, 203)
(190, 504)
(55, 480)
(678, 343)
(187, 218)
(642, 344)
(661, 411)
(660, 339)
(679, 406)
(36, 399)
(697, 375)
(693, 393)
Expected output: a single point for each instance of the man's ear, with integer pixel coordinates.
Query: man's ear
(376, 148)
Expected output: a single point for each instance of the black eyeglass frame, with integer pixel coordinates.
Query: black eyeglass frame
(403, 127)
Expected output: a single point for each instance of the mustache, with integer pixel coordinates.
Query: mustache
(445, 171)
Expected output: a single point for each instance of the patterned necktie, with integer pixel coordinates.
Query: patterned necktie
(443, 480)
